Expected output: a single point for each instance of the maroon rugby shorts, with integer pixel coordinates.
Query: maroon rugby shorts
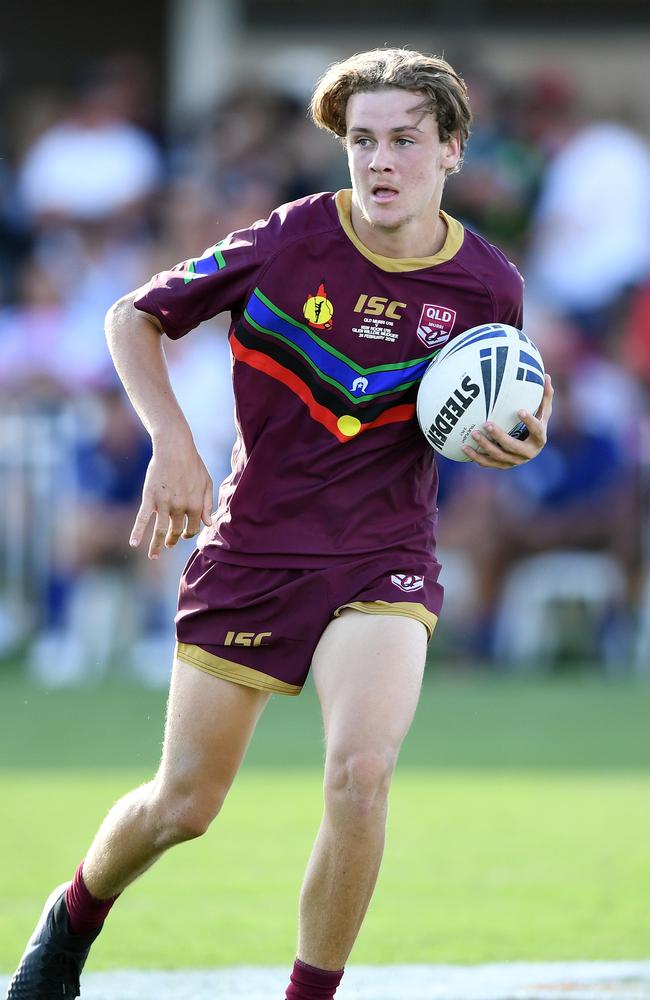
(260, 627)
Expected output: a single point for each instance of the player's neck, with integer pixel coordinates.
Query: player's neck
(412, 239)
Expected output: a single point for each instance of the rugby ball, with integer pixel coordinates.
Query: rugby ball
(487, 373)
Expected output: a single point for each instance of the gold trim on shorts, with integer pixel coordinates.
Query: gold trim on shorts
(408, 609)
(230, 671)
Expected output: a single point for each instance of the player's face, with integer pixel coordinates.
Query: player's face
(397, 165)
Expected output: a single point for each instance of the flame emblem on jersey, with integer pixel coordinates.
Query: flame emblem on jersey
(318, 310)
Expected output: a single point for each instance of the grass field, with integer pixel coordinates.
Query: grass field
(519, 827)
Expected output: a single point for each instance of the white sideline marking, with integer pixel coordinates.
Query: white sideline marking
(502, 981)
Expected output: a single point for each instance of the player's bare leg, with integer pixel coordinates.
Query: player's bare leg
(209, 725)
(368, 673)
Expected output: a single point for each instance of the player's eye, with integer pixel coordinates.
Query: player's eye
(403, 141)
(362, 141)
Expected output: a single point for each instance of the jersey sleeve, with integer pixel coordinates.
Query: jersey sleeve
(218, 281)
(509, 302)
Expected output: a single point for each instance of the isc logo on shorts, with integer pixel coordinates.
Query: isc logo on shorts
(407, 581)
(246, 638)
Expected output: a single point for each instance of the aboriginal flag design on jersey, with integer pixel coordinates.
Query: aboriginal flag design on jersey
(343, 396)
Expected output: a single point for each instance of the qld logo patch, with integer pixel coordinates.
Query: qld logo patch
(407, 582)
(436, 324)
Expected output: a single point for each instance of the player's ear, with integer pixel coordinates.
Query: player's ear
(451, 151)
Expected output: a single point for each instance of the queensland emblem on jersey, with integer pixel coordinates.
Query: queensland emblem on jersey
(318, 310)
(436, 324)
(407, 582)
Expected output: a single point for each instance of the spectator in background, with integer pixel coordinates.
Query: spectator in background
(111, 462)
(87, 187)
(636, 336)
(495, 191)
(52, 337)
(590, 232)
(606, 395)
(98, 596)
(252, 153)
(95, 165)
(247, 139)
(545, 111)
(31, 334)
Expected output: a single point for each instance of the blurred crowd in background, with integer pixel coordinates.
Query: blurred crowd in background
(546, 564)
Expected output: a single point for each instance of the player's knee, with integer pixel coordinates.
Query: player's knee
(189, 822)
(358, 782)
(186, 814)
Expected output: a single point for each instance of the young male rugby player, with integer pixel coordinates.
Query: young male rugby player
(321, 553)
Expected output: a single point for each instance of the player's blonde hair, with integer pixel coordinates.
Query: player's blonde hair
(444, 91)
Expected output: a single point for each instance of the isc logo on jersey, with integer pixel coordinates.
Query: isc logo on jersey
(378, 305)
(436, 324)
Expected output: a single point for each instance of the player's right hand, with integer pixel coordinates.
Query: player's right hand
(178, 490)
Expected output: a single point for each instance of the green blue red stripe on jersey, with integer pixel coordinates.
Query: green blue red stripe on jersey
(211, 262)
(340, 394)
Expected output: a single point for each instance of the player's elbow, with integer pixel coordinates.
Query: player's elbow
(119, 309)
(123, 314)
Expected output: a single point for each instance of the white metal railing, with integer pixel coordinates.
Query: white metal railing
(37, 493)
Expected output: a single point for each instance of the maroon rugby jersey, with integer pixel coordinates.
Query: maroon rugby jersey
(329, 343)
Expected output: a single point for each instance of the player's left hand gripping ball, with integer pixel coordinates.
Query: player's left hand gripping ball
(499, 450)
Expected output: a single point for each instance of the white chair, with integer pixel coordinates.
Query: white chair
(528, 623)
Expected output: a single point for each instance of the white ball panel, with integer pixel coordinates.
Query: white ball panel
(487, 373)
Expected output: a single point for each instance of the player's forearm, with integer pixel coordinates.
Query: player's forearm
(135, 344)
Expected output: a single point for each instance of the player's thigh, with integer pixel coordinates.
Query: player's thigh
(208, 726)
(368, 673)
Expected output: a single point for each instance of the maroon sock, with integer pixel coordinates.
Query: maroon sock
(85, 912)
(308, 983)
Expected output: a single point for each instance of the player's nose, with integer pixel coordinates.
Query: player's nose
(381, 159)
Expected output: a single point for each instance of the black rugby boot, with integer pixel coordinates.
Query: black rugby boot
(53, 959)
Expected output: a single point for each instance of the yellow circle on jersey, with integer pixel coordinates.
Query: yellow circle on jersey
(318, 309)
(348, 425)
